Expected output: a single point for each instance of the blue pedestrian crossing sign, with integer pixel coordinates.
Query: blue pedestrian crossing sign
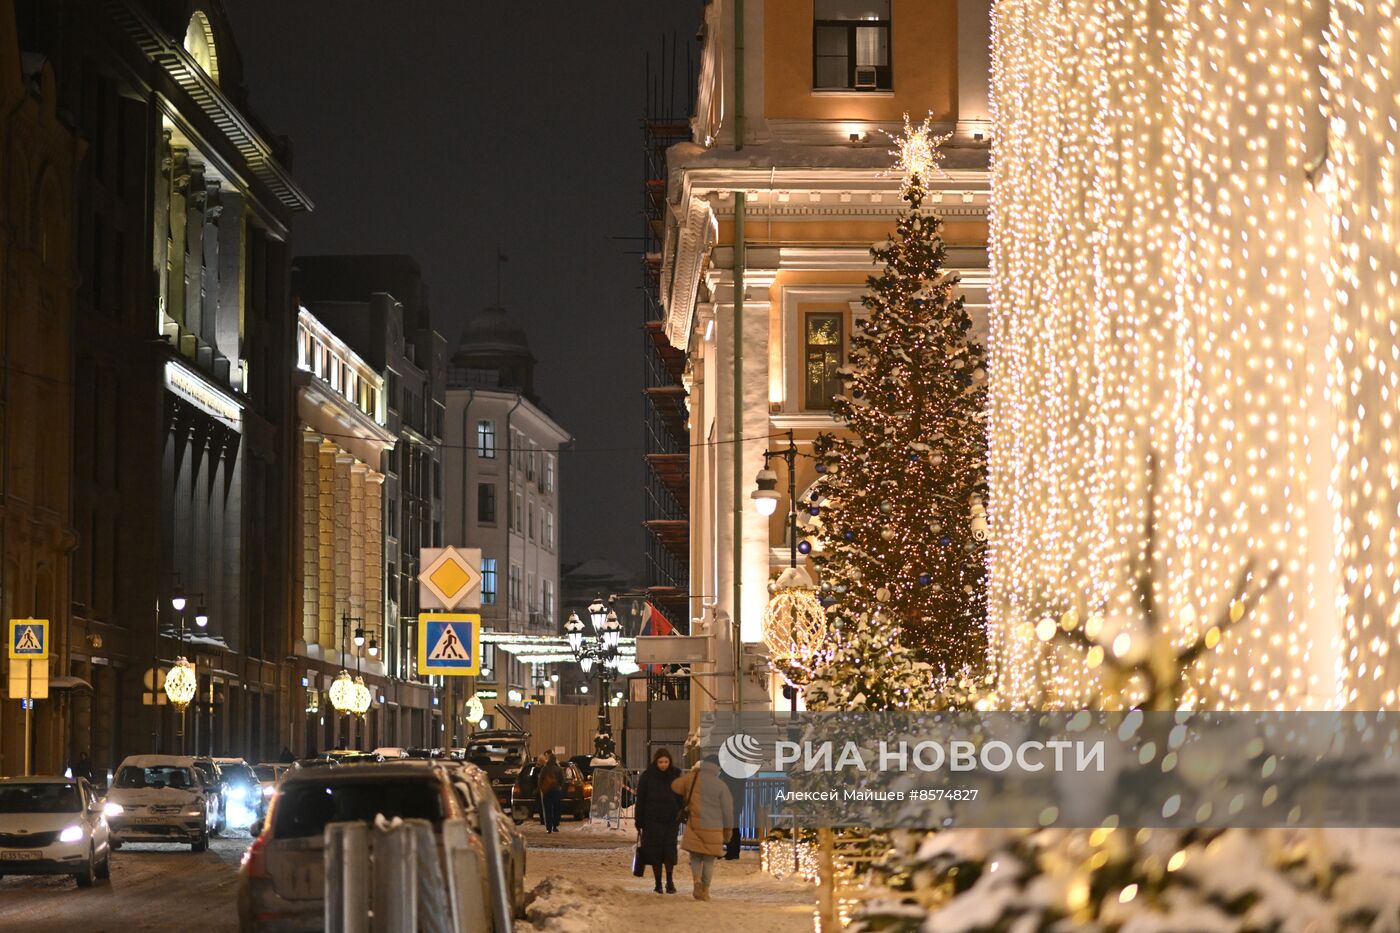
(29, 639)
(449, 644)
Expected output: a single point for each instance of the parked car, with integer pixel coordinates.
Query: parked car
(575, 800)
(302, 764)
(160, 798)
(243, 796)
(280, 883)
(501, 753)
(53, 826)
(268, 773)
(390, 752)
(213, 780)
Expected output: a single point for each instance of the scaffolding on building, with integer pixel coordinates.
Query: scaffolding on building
(665, 122)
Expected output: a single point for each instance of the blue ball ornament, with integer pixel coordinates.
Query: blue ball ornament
(848, 535)
(814, 510)
(804, 547)
(945, 540)
(828, 601)
(821, 467)
(925, 579)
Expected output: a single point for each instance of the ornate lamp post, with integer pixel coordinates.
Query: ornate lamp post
(794, 623)
(182, 680)
(601, 649)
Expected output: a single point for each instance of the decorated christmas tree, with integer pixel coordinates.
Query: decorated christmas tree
(902, 507)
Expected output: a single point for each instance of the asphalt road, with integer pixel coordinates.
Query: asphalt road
(153, 887)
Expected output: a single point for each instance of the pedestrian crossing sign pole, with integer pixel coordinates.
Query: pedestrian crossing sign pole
(449, 644)
(29, 670)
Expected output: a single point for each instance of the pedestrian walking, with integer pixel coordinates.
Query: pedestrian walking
(83, 767)
(551, 789)
(708, 808)
(658, 817)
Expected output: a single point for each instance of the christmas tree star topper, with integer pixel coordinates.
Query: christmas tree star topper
(918, 151)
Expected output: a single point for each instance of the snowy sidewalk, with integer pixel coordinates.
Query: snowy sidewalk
(582, 881)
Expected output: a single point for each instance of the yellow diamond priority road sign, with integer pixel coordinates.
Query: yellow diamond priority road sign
(451, 577)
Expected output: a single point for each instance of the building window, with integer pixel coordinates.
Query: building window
(821, 359)
(530, 463)
(517, 513)
(530, 520)
(549, 530)
(488, 581)
(513, 600)
(486, 503)
(549, 472)
(549, 601)
(851, 45)
(486, 439)
(488, 654)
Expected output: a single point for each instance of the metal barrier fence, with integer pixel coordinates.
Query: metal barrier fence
(614, 795)
(400, 877)
(760, 796)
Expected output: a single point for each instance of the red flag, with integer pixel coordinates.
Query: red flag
(656, 624)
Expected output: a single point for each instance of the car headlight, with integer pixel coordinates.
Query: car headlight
(112, 809)
(71, 834)
(268, 790)
(195, 811)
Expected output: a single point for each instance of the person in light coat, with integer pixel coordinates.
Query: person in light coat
(710, 807)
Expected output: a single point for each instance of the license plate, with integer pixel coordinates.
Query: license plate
(150, 819)
(18, 856)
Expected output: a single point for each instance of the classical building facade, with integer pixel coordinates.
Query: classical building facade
(344, 436)
(771, 210)
(40, 153)
(378, 305)
(501, 494)
(184, 438)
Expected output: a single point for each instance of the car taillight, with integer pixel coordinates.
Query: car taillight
(255, 859)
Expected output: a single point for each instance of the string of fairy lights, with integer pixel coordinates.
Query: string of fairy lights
(1195, 266)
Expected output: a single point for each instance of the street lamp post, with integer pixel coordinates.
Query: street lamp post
(794, 622)
(601, 649)
(182, 680)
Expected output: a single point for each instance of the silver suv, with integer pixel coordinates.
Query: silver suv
(160, 798)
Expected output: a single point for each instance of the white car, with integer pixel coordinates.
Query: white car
(160, 798)
(52, 826)
(391, 753)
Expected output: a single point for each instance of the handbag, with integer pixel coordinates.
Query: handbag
(639, 867)
(684, 815)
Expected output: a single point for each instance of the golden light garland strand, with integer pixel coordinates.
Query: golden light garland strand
(1194, 258)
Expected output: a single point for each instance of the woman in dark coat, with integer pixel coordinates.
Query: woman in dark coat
(657, 810)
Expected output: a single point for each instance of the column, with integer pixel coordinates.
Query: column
(374, 556)
(974, 68)
(310, 535)
(343, 558)
(357, 540)
(325, 524)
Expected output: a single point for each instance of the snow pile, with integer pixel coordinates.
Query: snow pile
(558, 905)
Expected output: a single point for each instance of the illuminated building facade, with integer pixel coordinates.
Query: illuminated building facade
(182, 335)
(781, 193)
(41, 153)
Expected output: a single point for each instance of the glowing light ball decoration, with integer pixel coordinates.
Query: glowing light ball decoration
(794, 626)
(181, 683)
(359, 704)
(342, 693)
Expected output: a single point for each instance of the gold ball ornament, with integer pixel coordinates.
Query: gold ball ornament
(181, 683)
(342, 692)
(794, 625)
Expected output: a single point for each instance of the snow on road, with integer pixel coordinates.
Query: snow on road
(582, 880)
(153, 887)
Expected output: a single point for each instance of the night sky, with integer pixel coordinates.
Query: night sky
(438, 129)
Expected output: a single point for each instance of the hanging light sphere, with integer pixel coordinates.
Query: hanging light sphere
(342, 692)
(361, 697)
(794, 625)
(181, 683)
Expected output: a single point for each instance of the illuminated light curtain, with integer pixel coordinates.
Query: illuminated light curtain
(1161, 261)
(1361, 181)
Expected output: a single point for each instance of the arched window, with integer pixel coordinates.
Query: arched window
(199, 42)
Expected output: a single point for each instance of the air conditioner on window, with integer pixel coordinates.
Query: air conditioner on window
(866, 77)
